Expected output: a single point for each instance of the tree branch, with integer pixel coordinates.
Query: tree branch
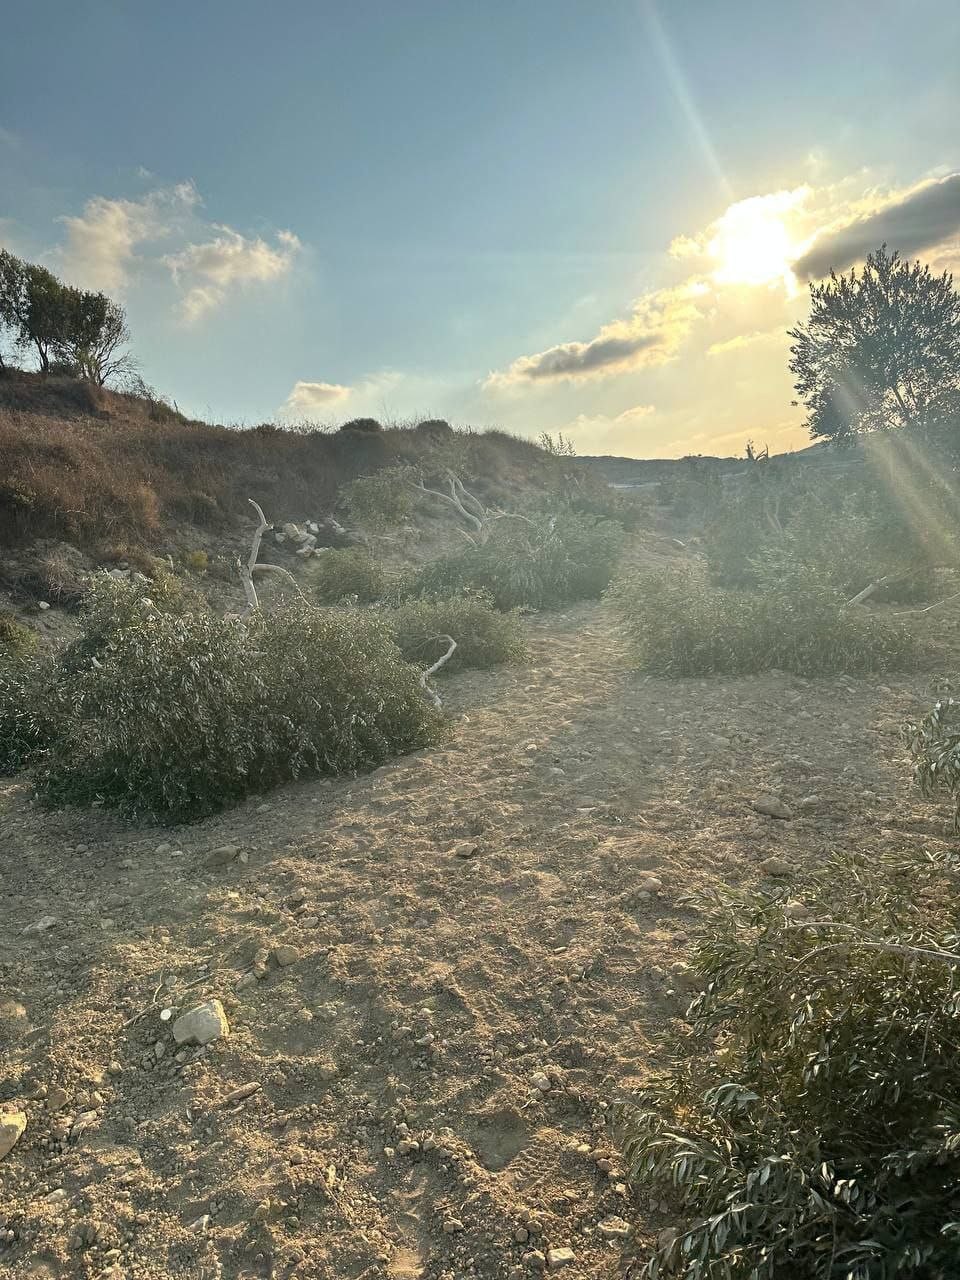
(441, 661)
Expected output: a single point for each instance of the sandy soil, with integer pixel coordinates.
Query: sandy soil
(397, 1128)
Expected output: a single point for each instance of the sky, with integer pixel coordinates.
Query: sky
(594, 217)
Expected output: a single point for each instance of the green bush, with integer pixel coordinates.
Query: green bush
(810, 1125)
(484, 636)
(28, 709)
(539, 563)
(338, 575)
(182, 715)
(935, 747)
(678, 625)
(380, 501)
(16, 640)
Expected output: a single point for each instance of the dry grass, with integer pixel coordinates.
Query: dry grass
(93, 466)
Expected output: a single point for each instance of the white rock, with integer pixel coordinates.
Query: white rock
(614, 1228)
(12, 1124)
(557, 1258)
(772, 807)
(40, 926)
(201, 1025)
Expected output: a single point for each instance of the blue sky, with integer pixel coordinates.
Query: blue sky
(502, 212)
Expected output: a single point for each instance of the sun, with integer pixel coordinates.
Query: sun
(753, 244)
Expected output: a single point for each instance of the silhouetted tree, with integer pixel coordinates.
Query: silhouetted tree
(881, 349)
(94, 331)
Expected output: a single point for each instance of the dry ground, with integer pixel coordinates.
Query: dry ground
(427, 993)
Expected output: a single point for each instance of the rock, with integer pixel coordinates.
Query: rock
(201, 1025)
(614, 1228)
(452, 1226)
(465, 849)
(776, 866)
(222, 856)
(13, 1121)
(795, 910)
(772, 807)
(810, 802)
(56, 1098)
(243, 1091)
(40, 926)
(540, 1081)
(557, 1258)
(285, 955)
(535, 1260)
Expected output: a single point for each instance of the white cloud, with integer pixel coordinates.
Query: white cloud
(743, 341)
(102, 242)
(210, 269)
(307, 398)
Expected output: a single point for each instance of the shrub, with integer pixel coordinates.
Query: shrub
(380, 501)
(365, 426)
(484, 636)
(935, 747)
(678, 625)
(184, 714)
(538, 563)
(435, 429)
(16, 640)
(811, 1125)
(197, 561)
(28, 708)
(338, 575)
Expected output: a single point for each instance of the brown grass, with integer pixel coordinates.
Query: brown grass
(89, 466)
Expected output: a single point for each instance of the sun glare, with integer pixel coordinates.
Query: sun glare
(753, 243)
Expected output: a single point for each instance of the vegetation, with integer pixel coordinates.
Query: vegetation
(485, 637)
(935, 747)
(349, 573)
(84, 332)
(379, 502)
(537, 563)
(16, 640)
(881, 349)
(678, 625)
(171, 715)
(811, 1125)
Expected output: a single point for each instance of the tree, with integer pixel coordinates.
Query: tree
(881, 349)
(94, 330)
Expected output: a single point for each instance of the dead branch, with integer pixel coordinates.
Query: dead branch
(926, 609)
(251, 567)
(867, 592)
(894, 948)
(441, 661)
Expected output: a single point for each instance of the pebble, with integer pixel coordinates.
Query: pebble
(13, 1122)
(56, 1098)
(557, 1258)
(795, 910)
(452, 1226)
(222, 856)
(772, 807)
(201, 1025)
(535, 1260)
(40, 926)
(775, 866)
(285, 955)
(466, 849)
(540, 1081)
(614, 1228)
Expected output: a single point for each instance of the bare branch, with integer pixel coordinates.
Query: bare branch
(441, 661)
(907, 612)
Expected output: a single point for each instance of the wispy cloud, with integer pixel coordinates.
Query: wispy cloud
(744, 341)
(651, 336)
(207, 271)
(313, 397)
(920, 218)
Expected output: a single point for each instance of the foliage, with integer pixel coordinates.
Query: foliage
(811, 1126)
(934, 745)
(16, 640)
(185, 713)
(381, 501)
(678, 625)
(435, 429)
(197, 561)
(485, 637)
(341, 574)
(73, 328)
(881, 349)
(539, 563)
(561, 447)
(28, 708)
(363, 426)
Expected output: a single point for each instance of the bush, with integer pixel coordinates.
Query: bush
(935, 747)
(379, 502)
(811, 1126)
(435, 429)
(186, 714)
(678, 625)
(16, 640)
(338, 575)
(28, 709)
(197, 561)
(484, 636)
(364, 426)
(540, 563)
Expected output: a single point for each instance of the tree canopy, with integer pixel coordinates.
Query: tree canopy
(84, 330)
(881, 349)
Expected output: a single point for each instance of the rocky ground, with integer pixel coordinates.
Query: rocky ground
(436, 978)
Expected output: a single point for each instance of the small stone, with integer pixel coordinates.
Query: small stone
(795, 910)
(40, 926)
(285, 955)
(238, 1094)
(201, 1025)
(452, 1226)
(222, 856)
(535, 1260)
(614, 1228)
(56, 1098)
(12, 1124)
(775, 866)
(557, 1258)
(540, 1081)
(466, 849)
(772, 807)
(55, 1197)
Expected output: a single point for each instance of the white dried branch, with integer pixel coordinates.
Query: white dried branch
(251, 567)
(432, 670)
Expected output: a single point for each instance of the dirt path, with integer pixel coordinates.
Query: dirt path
(398, 1128)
